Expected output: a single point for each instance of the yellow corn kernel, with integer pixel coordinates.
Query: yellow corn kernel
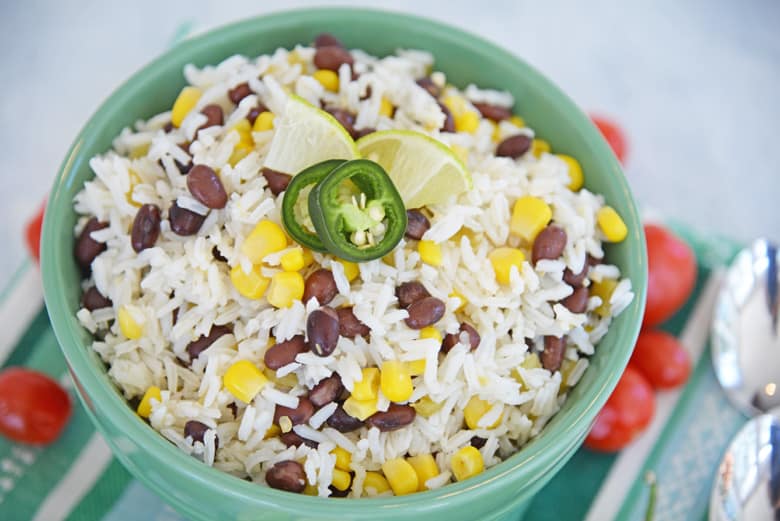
(611, 224)
(292, 260)
(295, 58)
(240, 151)
(531, 361)
(426, 407)
(456, 104)
(467, 463)
(351, 270)
(503, 259)
(287, 381)
(467, 122)
(308, 258)
(375, 482)
(475, 409)
(264, 121)
(567, 366)
(425, 467)
(328, 79)
(267, 237)
(430, 252)
(139, 151)
(244, 129)
(461, 153)
(272, 432)
(185, 102)
(496, 134)
(395, 381)
(463, 300)
(401, 476)
(341, 479)
(389, 259)
(343, 458)
(368, 386)
(576, 177)
(360, 409)
(386, 108)
(415, 367)
(135, 179)
(529, 216)
(311, 490)
(539, 147)
(517, 121)
(603, 290)
(430, 332)
(145, 407)
(128, 325)
(251, 285)
(244, 380)
(286, 287)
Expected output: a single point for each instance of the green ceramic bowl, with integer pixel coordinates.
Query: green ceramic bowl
(200, 492)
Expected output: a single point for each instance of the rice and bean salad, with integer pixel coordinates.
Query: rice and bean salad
(309, 373)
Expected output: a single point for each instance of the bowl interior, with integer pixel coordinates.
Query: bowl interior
(466, 59)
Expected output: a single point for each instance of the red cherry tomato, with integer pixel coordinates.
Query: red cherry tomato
(671, 274)
(33, 407)
(627, 412)
(32, 234)
(661, 359)
(614, 136)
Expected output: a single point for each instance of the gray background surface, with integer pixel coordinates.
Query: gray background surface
(694, 84)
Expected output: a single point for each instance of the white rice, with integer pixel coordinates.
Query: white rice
(180, 274)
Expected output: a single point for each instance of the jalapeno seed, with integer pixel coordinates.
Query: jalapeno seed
(322, 330)
(425, 312)
(554, 349)
(396, 417)
(320, 285)
(286, 475)
(549, 243)
(88, 248)
(514, 146)
(184, 222)
(416, 224)
(410, 292)
(146, 227)
(205, 186)
(326, 391)
(283, 353)
(349, 325)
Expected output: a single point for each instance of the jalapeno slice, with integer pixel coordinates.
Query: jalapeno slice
(357, 211)
(295, 204)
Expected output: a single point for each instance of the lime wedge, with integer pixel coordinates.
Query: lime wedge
(425, 171)
(306, 135)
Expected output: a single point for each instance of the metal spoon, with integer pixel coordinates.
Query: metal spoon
(746, 358)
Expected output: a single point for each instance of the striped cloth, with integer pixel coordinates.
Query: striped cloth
(76, 478)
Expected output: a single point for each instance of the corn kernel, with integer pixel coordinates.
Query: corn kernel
(529, 216)
(264, 121)
(351, 270)
(531, 361)
(567, 366)
(463, 300)
(145, 407)
(389, 259)
(185, 102)
(328, 79)
(425, 467)
(430, 332)
(603, 289)
(467, 122)
(415, 367)
(360, 409)
(426, 407)
(611, 224)
(310, 490)
(286, 382)
(251, 285)
(343, 458)
(503, 259)
(272, 432)
(576, 178)
(395, 381)
(267, 237)
(375, 482)
(461, 153)
(128, 324)
(467, 463)
(295, 58)
(292, 260)
(244, 380)
(244, 129)
(456, 104)
(286, 287)
(368, 386)
(539, 147)
(401, 476)
(386, 108)
(308, 258)
(341, 479)
(135, 179)
(496, 134)
(475, 409)
(240, 151)
(517, 121)
(139, 151)
(430, 252)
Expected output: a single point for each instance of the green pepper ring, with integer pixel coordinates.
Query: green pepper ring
(326, 215)
(308, 176)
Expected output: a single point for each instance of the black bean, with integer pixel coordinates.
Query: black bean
(577, 302)
(283, 353)
(320, 285)
(549, 243)
(298, 415)
(326, 40)
(590, 260)
(214, 116)
(168, 127)
(451, 339)
(277, 181)
(218, 254)
(425, 312)
(205, 186)
(514, 146)
(349, 325)
(326, 391)
(449, 119)
(410, 292)
(427, 84)
(396, 417)
(293, 439)
(254, 112)
(92, 299)
(183, 169)
(322, 330)
(416, 224)
(363, 132)
(478, 442)
(575, 279)
(493, 112)
(554, 349)
(345, 117)
(239, 92)
(233, 408)
(343, 422)
(196, 430)
(331, 57)
(286, 475)
(196, 347)
(336, 493)
(88, 248)
(184, 222)
(146, 227)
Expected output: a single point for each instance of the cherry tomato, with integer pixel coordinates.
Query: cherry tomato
(671, 274)
(614, 136)
(33, 407)
(32, 234)
(627, 412)
(661, 359)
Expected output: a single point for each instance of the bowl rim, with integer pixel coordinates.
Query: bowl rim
(97, 387)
